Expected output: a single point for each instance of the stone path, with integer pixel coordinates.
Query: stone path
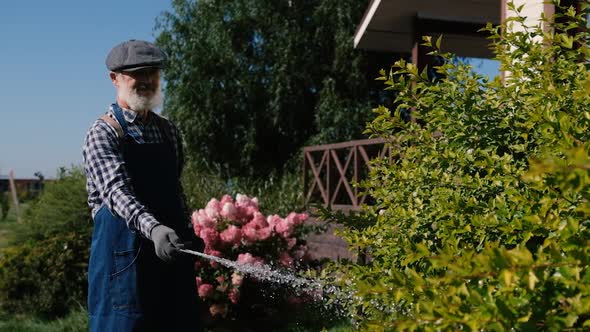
(327, 245)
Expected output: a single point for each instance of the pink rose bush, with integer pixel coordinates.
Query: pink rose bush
(235, 229)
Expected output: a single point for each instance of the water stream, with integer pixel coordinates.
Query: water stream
(265, 272)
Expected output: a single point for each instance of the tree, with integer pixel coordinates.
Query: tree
(250, 82)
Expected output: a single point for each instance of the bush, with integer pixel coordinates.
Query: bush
(45, 271)
(46, 278)
(236, 230)
(61, 208)
(279, 193)
(4, 205)
(482, 212)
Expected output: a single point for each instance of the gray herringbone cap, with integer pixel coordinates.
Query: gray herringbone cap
(135, 54)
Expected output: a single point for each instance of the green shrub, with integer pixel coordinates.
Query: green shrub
(61, 208)
(482, 212)
(44, 272)
(45, 278)
(277, 193)
(4, 206)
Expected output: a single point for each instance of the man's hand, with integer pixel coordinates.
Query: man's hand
(166, 242)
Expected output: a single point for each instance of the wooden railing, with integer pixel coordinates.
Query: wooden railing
(330, 171)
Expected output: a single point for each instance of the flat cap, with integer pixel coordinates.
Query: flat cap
(135, 54)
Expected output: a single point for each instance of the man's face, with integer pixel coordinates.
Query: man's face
(144, 81)
(139, 89)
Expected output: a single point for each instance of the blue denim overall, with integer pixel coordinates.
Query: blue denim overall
(129, 287)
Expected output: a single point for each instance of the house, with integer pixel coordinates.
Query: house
(25, 187)
(396, 27)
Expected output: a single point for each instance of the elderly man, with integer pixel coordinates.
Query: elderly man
(139, 280)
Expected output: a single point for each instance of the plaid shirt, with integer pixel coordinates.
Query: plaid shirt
(107, 181)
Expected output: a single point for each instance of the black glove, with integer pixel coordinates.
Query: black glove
(166, 242)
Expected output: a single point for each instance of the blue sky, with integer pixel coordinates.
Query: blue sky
(54, 82)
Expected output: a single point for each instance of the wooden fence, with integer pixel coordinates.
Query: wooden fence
(330, 170)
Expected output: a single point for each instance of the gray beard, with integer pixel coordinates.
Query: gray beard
(141, 103)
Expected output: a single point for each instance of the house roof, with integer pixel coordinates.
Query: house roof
(391, 25)
(6, 177)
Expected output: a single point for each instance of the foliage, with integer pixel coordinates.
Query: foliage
(199, 185)
(250, 82)
(46, 278)
(4, 206)
(236, 230)
(73, 322)
(279, 193)
(61, 207)
(482, 214)
(44, 271)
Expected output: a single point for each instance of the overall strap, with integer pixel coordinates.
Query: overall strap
(113, 124)
(120, 118)
(123, 123)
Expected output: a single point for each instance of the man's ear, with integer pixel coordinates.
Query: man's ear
(113, 77)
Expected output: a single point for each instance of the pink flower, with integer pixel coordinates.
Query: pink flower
(242, 215)
(206, 290)
(242, 200)
(250, 211)
(194, 217)
(204, 220)
(273, 220)
(247, 258)
(215, 253)
(213, 208)
(236, 279)
(232, 235)
(220, 279)
(234, 295)
(229, 211)
(199, 264)
(291, 242)
(197, 228)
(258, 221)
(263, 233)
(303, 217)
(226, 199)
(296, 218)
(199, 281)
(249, 234)
(209, 235)
(218, 310)
(245, 201)
(285, 259)
(300, 252)
(284, 227)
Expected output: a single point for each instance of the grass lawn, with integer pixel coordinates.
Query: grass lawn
(74, 322)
